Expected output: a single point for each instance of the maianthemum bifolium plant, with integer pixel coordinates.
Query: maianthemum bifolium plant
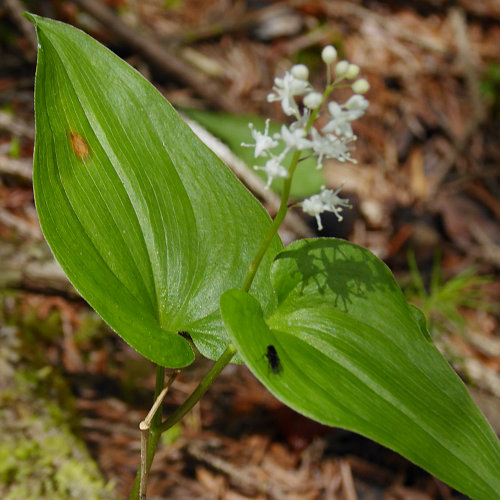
(160, 237)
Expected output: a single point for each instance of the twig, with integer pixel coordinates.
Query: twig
(240, 476)
(20, 226)
(482, 375)
(144, 427)
(488, 10)
(485, 197)
(15, 126)
(158, 55)
(19, 168)
(340, 8)
(488, 250)
(347, 481)
(466, 60)
(30, 266)
(16, 9)
(229, 24)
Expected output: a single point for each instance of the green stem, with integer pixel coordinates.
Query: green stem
(159, 384)
(154, 434)
(157, 428)
(273, 228)
(202, 387)
(283, 209)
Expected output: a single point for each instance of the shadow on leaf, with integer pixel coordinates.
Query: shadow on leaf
(335, 269)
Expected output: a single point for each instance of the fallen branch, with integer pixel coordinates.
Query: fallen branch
(18, 168)
(346, 9)
(466, 60)
(231, 23)
(17, 127)
(144, 427)
(20, 226)
(16, 9)
(155, 52)
(30, 266)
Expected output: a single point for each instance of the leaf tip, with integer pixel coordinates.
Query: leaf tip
(32, 18)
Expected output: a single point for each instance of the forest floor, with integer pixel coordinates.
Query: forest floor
(426, 198)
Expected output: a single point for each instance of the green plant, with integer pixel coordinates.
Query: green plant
(490, 87)
(442, 302)
(41, 456)
(160, 238)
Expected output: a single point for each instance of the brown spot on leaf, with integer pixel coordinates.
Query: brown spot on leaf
(79, 145)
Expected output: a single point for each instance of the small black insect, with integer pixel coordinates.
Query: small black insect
(273, 359)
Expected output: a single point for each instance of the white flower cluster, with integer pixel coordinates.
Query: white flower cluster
(326, 201)
(333, 139)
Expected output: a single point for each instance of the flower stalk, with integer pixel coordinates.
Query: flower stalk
(331, 142)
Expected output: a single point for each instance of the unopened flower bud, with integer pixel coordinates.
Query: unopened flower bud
(329, 54)
(360, 86)
(300, 71)
(313, 100)
(341, 68)
(352, 71)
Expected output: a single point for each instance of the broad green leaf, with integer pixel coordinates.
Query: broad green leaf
(353, 354)
(233, 130)
(148, 224)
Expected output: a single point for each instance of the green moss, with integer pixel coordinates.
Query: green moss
(41, 457)
(91, 328)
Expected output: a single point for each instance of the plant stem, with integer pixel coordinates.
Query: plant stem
(157, 427)
(154, 434)
(159, 384)
(153, 440)
(283, 209)
(202, 387)
(273, 228)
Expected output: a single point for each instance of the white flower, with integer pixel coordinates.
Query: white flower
(341, 68)
(334, 203)
(329, 146)
(302, 120)
(263, 142)
(294, 138)
(314, 206)
(360, 86)
(340, 124)
(352, 71)
(300, 71)
(342, 116)
(329, 54)
(357, 103)
(326, 201)
(313, 100)
(285, 89)
(273, 169)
